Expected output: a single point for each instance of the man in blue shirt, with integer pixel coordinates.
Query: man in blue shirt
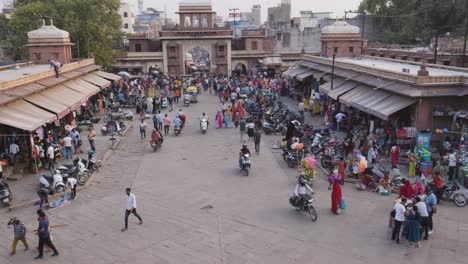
(44, 235)
(177, 122)
(431, 202)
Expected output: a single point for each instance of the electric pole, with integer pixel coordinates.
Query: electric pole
(464, 45)
(363, 14)
(234, 14)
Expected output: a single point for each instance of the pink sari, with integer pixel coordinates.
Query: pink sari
(219, 120)
(241, 110)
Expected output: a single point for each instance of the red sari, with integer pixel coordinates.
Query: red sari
(336, 197)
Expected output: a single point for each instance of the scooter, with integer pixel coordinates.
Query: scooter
(204, 125)
(5, 193)
(186, 102)
(176, 130)
(53, 182)
(245, 164)
(78, 170)
(119, 116)
(113, 126)
(270, 128)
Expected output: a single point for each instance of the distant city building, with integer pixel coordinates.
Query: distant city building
(309, 19)
(253, 17)
(128, 17)
(149, 22)
(341, 39)
(278, 19)
(219, 21)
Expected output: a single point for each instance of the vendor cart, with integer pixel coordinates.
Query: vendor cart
(193, 91)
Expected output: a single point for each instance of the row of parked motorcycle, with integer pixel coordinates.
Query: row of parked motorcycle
(114, 120)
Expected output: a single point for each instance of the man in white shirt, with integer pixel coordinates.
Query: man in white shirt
(50, 156)
(131, 208)
(400, 212)
(422, 209)
(71, 183)
(452, 160)
(14, 151)
(233, 97)
(1, 171)
(300, 108)
(339, 119)
(68, 143)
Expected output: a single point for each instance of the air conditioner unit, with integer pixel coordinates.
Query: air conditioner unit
(405, 70)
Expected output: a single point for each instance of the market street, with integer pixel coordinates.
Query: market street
(198, 208)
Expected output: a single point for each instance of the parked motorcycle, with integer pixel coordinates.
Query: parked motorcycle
(245, 164)
(5, 193)
(113, 127)
(121, 115)
(452, 192)
(53, 183)
(272, 128)
(204, 125)
(304, 204)
(78, 170)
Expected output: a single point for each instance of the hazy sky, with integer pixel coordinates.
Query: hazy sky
(221, 6)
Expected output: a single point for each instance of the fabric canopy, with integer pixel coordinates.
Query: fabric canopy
(341, 87)
(272, 61)
(107, 75)
(25, 116)
(301, 77)
(295, 71)
(392, 104)
(359, 91)
(94, 79)
(46, 102)
(82, 87)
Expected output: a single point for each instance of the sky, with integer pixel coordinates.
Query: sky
(222, 6)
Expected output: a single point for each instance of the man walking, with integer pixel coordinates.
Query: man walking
(43, 194)
(257, 138)
(131, 208)
(422, 210)
(400, 212)
(68, 143)
(91, 138)
(50, 156)
(142, 130)
(44, 235)
(20, 235)
(242, 129)
(431, 203)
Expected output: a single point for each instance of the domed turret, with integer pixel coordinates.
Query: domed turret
(341, 27)
(341, 39)
(49, 32)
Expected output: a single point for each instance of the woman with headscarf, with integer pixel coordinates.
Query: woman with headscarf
(418, 186)
(406, 190)
(219, 119)
(394, 155)
(386, 182)
(335, 180)
(240, 109)
(227, 119)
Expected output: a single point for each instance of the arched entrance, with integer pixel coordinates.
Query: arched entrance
(239, 68)
(197, 60)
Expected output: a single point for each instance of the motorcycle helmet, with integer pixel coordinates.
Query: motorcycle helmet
(90, 152)
(244, 145)
(76, 160)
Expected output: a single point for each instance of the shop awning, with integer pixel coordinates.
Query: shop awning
(272, 61)
(107, 75)
(25, 116)
(295, 71)
(341, 88)
(357, 92)
(301, 77)
(375, 102)
(94, 79)
(83, 87)
(392, 104)
(46, 102)
(122, 66)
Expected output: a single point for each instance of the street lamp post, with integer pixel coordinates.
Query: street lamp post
(333, 71)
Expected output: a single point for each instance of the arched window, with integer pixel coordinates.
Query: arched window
(204, 22)
(187, 22)
(196, 21)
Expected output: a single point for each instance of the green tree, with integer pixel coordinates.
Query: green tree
(93, 25)
(415, 21)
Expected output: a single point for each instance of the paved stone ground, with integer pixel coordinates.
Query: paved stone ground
(197, 208)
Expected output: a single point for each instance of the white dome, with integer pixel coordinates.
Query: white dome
(195, 3)
(48, 32)
(340, 27)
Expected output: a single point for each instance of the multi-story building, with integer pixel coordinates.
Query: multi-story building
(128, 17)
(278, 19)
(253, 17)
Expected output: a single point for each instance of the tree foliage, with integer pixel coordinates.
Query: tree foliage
(93, 24)
(416, 21)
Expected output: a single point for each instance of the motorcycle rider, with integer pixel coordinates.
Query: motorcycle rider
(300, 192)
(244, 150)
(177, 122)
(156, 135)
(203, 116)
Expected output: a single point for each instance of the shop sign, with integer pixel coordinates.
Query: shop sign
(423, 141)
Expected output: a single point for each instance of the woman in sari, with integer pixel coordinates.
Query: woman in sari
(227, 119)
(335, 180)
(406, 190)
(394, 155)
(240, 109)
(418, 186)
(219, 120)
(412, 165)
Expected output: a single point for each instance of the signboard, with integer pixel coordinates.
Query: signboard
(423, 141)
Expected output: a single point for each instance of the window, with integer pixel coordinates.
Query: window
(278, 36)
(404, 57)
(393, 57)
(125, 25)
(351, 49)
(381, 55)
(335, 50)
(417, 59)
(138, 47)
(447, 63)
(221, 49)
(254, 45)
(172, 50)
(431, 61)
(372, 54)
(55, 55)
(37, 55)
(125, 14)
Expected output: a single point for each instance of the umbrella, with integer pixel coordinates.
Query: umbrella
(124, 74)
